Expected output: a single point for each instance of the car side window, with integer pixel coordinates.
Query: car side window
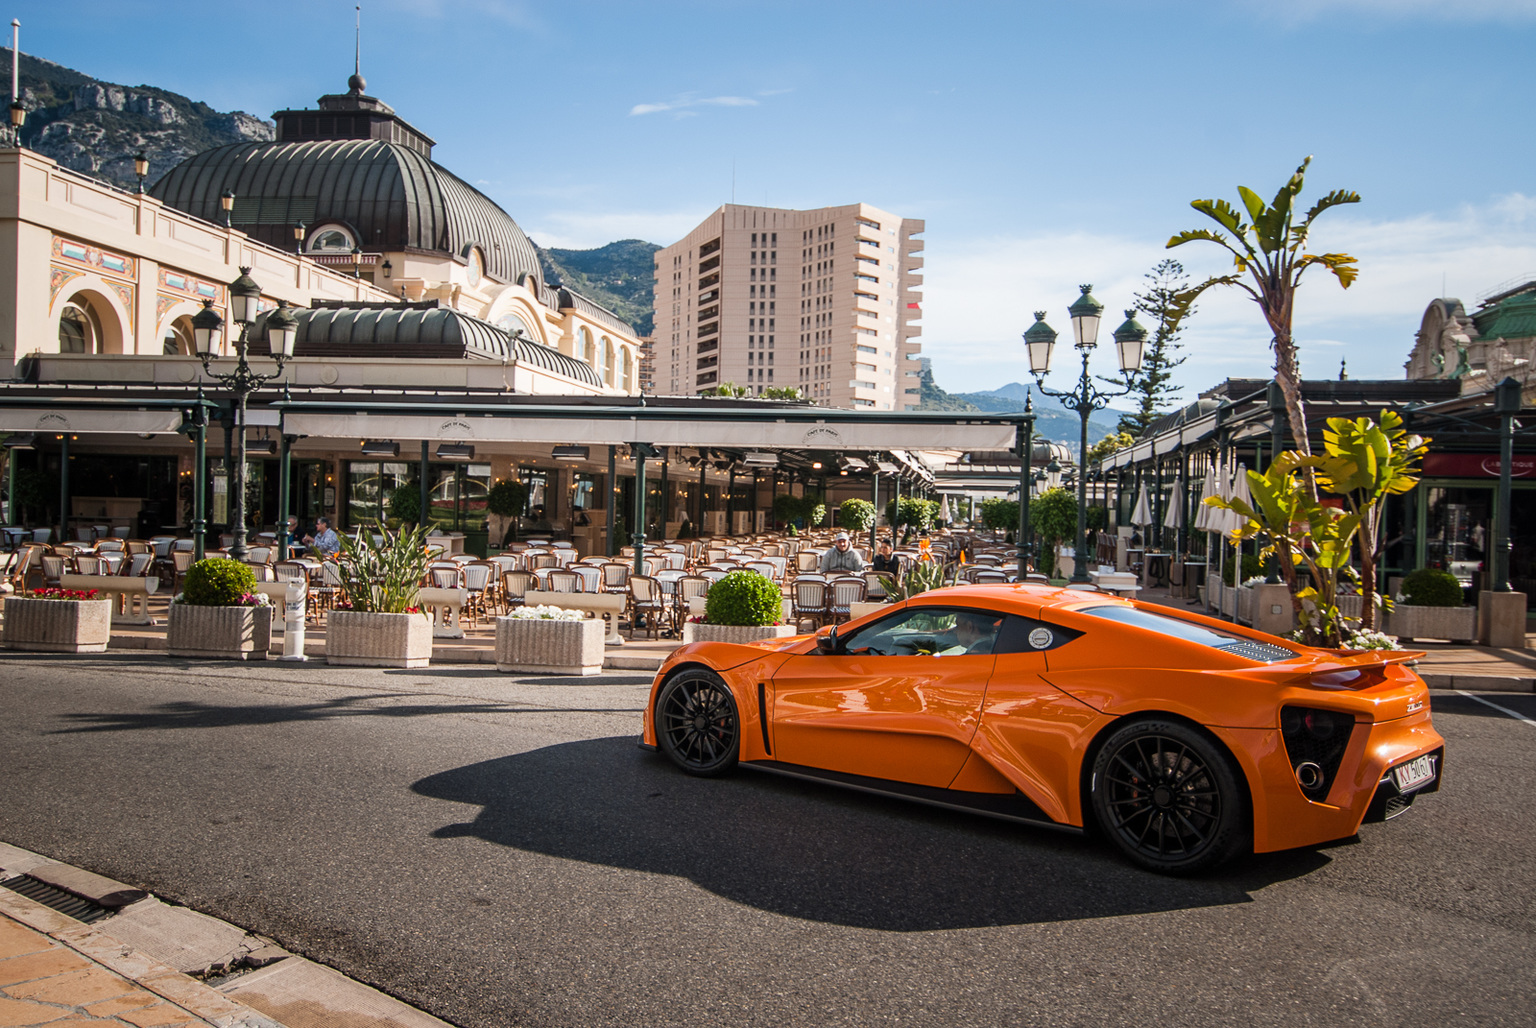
(1027, 635)
(927, 631)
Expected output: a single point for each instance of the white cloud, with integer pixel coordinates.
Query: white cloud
(583, 229)
(979, 293)
(679, 107)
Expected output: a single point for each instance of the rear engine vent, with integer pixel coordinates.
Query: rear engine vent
(1268, 653)
(1315, 741)
(66, 903)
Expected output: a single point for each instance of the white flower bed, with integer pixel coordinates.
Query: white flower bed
(546, 613)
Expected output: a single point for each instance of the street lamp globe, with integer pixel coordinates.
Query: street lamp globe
(282, 332)
(1085, 312)
(1130, 342)
(18, 115)
(206, 328)
(1040, 340)
(243, 296)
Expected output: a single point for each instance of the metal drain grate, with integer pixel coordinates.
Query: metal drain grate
(66, 903)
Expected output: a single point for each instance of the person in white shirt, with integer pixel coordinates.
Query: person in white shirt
(842, 556)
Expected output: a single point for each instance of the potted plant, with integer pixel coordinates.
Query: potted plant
(505, 504)
(549, 640)
(219, 614)
(58, 621)
(742, 607)
(856, 515)
(1430, 606)
(379, 621)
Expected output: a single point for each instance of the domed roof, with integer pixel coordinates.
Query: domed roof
(391, 196)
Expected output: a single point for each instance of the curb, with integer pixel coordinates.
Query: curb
(1479, 683)
(252, 982)
(617, 661)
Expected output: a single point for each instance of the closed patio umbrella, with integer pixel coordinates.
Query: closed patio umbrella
(1203, 514)
(944, 514)
(1141, 514)
(1240, 491)
(1174, 517)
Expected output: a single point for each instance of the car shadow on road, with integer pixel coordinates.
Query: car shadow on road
(815, 852)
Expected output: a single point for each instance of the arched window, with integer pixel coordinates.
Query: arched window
(476, 267)
(584, 349)
(331, 239)
(80, 328)
(511, 324)
(607, 368)
(628, 365)
(178, 337)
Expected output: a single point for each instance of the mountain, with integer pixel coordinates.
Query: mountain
(1052, 420)
(620, 276)
(97, 127)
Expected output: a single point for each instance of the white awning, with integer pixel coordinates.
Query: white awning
(617, 428)
(88, 421)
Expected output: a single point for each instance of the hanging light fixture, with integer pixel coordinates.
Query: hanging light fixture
(570, 452)
(455, 451)
(380, 448)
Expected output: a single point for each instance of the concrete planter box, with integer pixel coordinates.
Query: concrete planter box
(1244, 614)
(698, 632)
(57, 626)
(1458, 624)
(542, 646)
(219, 633)
(362, 639)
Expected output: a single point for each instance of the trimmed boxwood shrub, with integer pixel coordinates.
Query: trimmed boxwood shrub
(217, 582)
(744, 598)
(405, 503)
(1253, 565)
(1431, 587)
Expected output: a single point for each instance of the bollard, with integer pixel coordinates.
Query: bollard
(293, 623)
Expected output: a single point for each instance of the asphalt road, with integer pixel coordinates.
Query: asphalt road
(499, 852)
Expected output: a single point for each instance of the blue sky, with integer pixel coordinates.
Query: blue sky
(1045, 144)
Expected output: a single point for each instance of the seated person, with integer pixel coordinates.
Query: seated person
(842, 556)
(885, 560)
(973, 633)
(324, 542)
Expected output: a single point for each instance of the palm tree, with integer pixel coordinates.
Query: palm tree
(1270, 252)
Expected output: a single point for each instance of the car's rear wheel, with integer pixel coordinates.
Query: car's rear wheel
(697, 724)
(1168, 797)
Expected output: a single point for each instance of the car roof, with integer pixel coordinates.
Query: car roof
(1029, 596)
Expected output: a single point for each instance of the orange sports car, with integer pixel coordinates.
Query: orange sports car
(1184, 739)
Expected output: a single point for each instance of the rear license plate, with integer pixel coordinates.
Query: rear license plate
(1417, 772)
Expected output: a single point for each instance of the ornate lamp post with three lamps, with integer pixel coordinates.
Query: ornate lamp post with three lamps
(282, 331)
(1130, 341)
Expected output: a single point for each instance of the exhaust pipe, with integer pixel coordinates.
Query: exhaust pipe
(1308, 775)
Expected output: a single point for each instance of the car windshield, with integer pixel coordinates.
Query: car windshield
(1191, 632)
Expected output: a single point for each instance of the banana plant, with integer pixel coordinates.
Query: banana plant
(1365, 463)
(1269, 251)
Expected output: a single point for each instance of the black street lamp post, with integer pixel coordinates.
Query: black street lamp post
(1130, 340)
(1025, 436)
(141, 169)
(282, 331)
(1506, 404)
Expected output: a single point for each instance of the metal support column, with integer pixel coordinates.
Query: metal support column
(661, 529)
(1026, 431)
(284, 466)
(730, 501)
(637, 537)
(874, 498)
(423, 485)
(613, 499)
(64, 488)
(200, 479)
(1506, 404)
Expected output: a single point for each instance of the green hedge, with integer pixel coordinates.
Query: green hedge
(1431, 587)
(744, 598)
(217, 582)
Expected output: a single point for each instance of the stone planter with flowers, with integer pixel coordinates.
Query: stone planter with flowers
(219, 614)
(379, 621)
(549, 640)
(1430, 606)
(58, 621)
(743, 607)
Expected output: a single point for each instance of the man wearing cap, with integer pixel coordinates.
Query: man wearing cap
(841, 557)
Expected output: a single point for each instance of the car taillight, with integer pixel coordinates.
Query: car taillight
(1315, 741)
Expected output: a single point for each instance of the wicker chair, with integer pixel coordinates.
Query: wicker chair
(842, 594)
(616, 577)
(563, 581)
(480, 586)
(515, 586)
(646, 601)
(810, 601)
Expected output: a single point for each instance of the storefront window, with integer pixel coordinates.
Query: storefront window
(370, 484)
(1459, 521)
(583, 491)
(538, 494)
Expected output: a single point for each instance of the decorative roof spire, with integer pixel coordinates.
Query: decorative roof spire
(356, 84)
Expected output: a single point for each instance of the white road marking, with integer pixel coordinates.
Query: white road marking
(1503, 710)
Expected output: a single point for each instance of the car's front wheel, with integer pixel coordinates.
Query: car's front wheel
(1168, 797)
(697, 724)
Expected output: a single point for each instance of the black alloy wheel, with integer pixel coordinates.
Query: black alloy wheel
(1168, 797)
(697, 724)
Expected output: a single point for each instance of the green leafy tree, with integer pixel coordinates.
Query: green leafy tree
(405, 504)
(1269, 250)
(1111, 443)
(999, 514)
(856, 515)
(1154, 389)
(1053, 518)
(1365, 463)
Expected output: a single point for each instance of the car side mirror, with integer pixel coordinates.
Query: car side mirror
(826, 640)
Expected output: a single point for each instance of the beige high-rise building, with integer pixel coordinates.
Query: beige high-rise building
(825, 300)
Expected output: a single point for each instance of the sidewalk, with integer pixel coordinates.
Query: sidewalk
(150, 964)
